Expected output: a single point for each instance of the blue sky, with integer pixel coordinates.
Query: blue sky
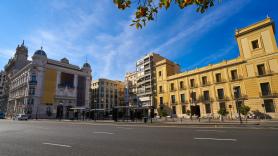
(96, 29)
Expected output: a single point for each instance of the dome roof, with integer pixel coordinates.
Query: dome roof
(87, 65)
(40, 52)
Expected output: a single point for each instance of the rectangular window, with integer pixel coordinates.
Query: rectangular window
(255, 44)
(220, 93)
(172, 87)
(206, 95)
(234, 74)
(261, 69)
(193, 97)
(161, 100)
(237, 92)
(160, 89)
(183, 109)
(173, 99)
(181, 85)
(218, 77)
(192, 82)
(265, 89)
(182, 98)
(222, 105)
(174, 109)
(204, 80)
(159, 73)
(208, 109)
(269, 106)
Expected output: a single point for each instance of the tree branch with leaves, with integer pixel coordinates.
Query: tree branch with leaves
(147, 10)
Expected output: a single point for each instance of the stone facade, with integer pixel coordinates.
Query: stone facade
(251, 79)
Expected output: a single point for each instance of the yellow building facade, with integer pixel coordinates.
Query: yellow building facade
(251, 79)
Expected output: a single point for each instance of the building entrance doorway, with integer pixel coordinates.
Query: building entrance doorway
(60, 112)
(195, 110)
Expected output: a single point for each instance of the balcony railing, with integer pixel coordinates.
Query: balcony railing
(33, 82)
(220, 81)
(182, 88)
(173, 89)
(194, 86)
(205, 84)
(237, 78)
(268, 95)
(265, 73)
(225, 98)
(240, 97)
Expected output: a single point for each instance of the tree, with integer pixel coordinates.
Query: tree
(244, 110)
(222, 112)
(147, 9)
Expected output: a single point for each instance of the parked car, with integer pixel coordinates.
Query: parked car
(2, 115)
(21, 117)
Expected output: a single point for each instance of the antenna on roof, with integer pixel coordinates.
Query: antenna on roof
(86, 59)
(22, 43)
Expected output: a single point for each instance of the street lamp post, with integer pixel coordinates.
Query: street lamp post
(236, 94)
(95, 103)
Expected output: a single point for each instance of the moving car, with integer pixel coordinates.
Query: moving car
(21, 117)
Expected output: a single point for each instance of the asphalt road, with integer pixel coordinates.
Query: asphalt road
(51, 138)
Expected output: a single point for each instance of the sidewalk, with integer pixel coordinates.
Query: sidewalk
(178, 122)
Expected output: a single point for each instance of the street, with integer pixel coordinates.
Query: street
(54, 138)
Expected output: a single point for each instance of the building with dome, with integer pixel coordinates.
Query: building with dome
(46, 88)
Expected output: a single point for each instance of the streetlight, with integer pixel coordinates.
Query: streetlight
(236, 95)
(95, 103)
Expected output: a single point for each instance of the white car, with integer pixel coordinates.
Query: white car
(21, 117)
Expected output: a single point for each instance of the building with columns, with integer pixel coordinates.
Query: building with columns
(250, 79)
(46, 88)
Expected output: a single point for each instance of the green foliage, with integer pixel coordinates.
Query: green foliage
(244, 110)
(162, 112)
(148, 9)
(223, 112)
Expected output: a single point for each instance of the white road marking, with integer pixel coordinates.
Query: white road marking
(125, 128)
(209, 130)
(52, 144)
(103, 133)
(216, 139)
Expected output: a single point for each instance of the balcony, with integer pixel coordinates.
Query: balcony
(66, 86)
(240, 97)
(182, 88)
(236, 78)
(269, 95)
(173, 90)
(220, 81)
(193, 86)
(225, 98)
(33, 82)
(264, 73)
(205, 99)
(205, 84)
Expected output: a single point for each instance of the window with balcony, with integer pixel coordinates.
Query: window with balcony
(218, 77)
(255, 44)
(234, 74)
(160, 89)
(193, 97)
(265, 89)
(161, 100)
(31, 91)
(172, 87)
(222, 105)
(204, 80)
(182, 98)
(173, 99)
(208, 109)
(269, 106)
(183, 109)
(192, 82)
(237, 92)
(220, 93)
(261, 69)
(181, 85)
(174, 110)
(206, 95)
